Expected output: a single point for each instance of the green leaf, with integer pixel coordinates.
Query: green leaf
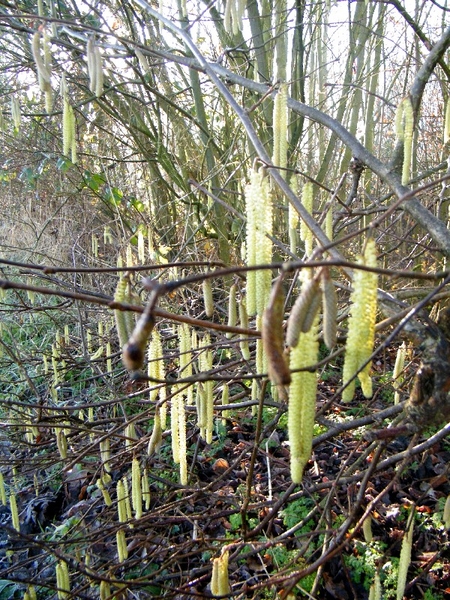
(115, 195)
(94, 180)
(63, 164)
(29, 175)
(7, 589)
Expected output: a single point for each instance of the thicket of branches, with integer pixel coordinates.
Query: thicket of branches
(131, 139)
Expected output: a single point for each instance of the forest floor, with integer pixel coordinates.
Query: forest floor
(239, 498)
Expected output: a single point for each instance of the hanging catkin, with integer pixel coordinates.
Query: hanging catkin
(220, 585)
(408, 115)
(95, 68)
(258, 244)
(302, 400)
(305, 233)
(62, 579)
(122, 325)
(69, 125)
(447, 122)
(272, 336)
(329, 303)
(405, 558)
(155, 363)
(361, 325)
(43, 70)
(304, 311)
(280, 123)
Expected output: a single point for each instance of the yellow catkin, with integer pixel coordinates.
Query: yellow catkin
(136, 488)
(121, 295)
(121, 503)
(184, 337)
(104, 491)
(73, 150)
(405, 559)
(14, 512)
(208, 297)
(232, 20)
(127, 498)
(130, 435)
(408, 116)
(209, 401)
(48, 65)
(108, 357)
(98, 89)
(293, 219)
(446, 513)
(145, 485)
(447, 122)
(243, 319)
(224, 586)
(232, 309)
(215, 577)
(397, 375)
(44, 73)
(174, 425)
(225, 400)
(367, 529)
(398, 124)
(155, 363)
(155, 441)
(30, 594)
(200, 403)
(62, 579)
(105, 454)
(329, 223)
(182, 434)
(61, 442)
(141, 246)
(105, 590)
(280, 124)
(254, 397)
(302, 401)
(305, 233)
(303, 312)
(206, 399)
(261, 362)
(361, 325)
(258, 245)
(143, 62)
(2, 490)
(329, 303)
(251, 257)
(16, 113)
(121, 542)
(68, 127)
(91, 63)
(264, 244)
(220, 585)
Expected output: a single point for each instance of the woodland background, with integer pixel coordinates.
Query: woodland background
(152, 185)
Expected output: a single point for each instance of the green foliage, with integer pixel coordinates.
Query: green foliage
(363, 563)
(430, 595)
(9, 590)
(296, 511)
